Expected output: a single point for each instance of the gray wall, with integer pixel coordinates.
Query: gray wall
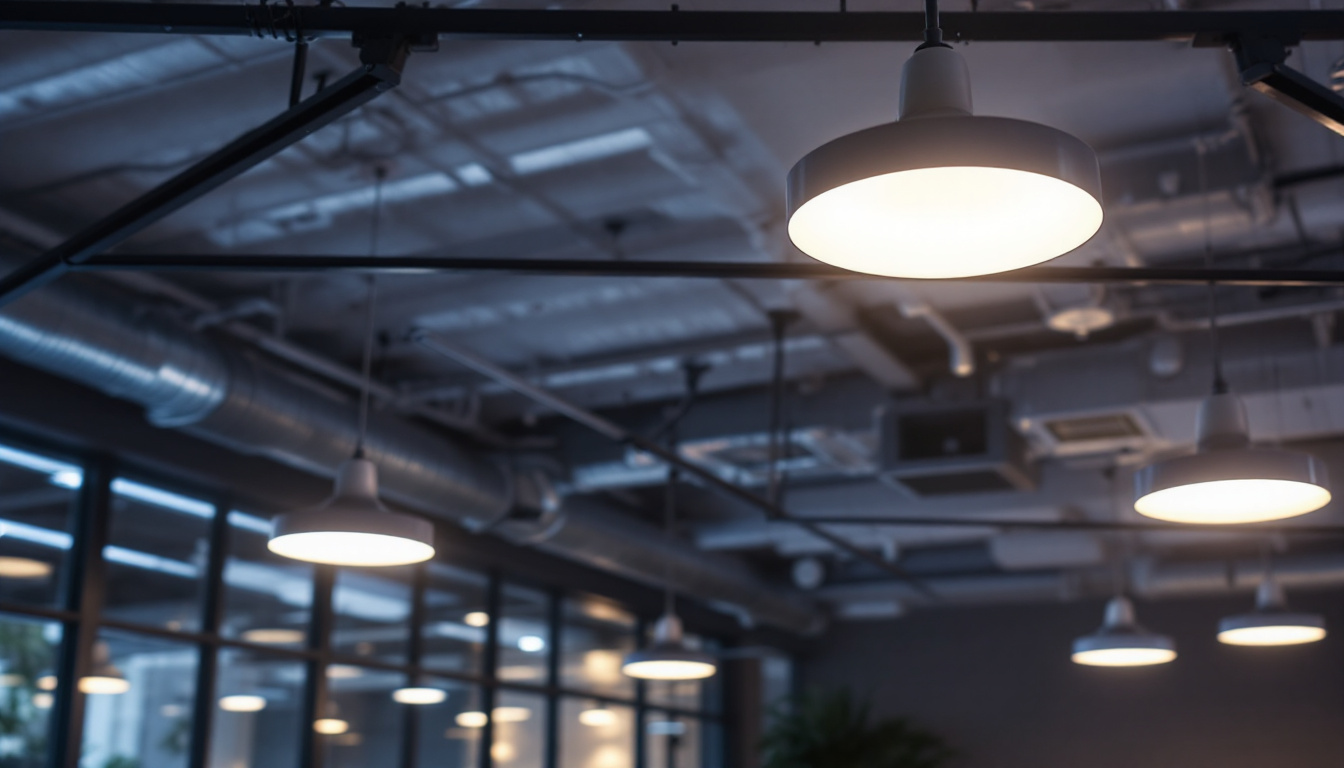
(997, 683)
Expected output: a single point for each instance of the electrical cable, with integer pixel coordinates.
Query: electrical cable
(367, 368)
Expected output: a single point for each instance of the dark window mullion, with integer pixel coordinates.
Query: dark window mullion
(315, 683)
(208, 664)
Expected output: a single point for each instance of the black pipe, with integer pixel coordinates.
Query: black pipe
(718, 270)
(1209, 28)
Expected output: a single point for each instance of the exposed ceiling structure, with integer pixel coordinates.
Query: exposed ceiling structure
(649, 151)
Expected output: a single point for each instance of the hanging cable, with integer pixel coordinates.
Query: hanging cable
(933, 33)
(1219, 383)
(370, 312)
(779, 324)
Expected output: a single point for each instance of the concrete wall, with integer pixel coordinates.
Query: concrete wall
(999, 685)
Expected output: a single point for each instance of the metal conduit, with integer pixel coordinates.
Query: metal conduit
(225, 394)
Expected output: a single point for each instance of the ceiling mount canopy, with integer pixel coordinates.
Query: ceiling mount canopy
(942, 193)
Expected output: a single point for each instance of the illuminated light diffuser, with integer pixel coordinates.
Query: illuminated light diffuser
(419, 696)
(104, 684)
(476, 619)
(472, 719)
(1226, 481)
(597, 717)
(1121, 642)
(669, 658)
(331, 726)
(24, 568)
(274, 636)
(942, 193)
(242, 703)
(353, 527)
(1271, 623)
(511, 714)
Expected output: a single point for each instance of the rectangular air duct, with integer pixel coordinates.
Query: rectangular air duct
(947, 450)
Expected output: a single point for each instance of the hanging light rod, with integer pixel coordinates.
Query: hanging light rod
(279, 21)
(737, 270)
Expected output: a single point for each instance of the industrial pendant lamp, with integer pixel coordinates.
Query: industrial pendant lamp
(104, 678)
(1226, 481)
(669, 658)
(942, 193)
(1121, 642)
(1271, 623)
(352, 527)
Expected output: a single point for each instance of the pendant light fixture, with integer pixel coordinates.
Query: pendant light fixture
(942, 193)
(1121, 642)
(1271, 623)
(669, 658)
(104, 678)
(352, 527)
(1226, 481)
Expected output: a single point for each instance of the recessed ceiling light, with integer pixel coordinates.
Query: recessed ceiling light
(1121, 642)
(1226, 481)
(942, 193)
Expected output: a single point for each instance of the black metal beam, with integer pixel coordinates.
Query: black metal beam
(288, 22)
(737, 270)
(380, 72)
(1255, 529)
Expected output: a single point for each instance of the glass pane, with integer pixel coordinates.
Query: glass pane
(694, 695)
(158, 547)
(27, 689)
(258, 715)
(35, 508)
(673, 741)
(520, 730)
(595, 637)
(360, 724)
(266, 597)
(523, 633)
(594, 735)
(138, 708)
(373, 612)
(455, 619)
(449, 732)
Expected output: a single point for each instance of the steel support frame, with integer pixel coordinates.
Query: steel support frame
(292, 22)
(715, 270)
(382, 62)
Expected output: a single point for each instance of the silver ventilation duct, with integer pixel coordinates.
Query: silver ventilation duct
(228, 395)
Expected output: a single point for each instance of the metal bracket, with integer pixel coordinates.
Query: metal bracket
(1260, 60)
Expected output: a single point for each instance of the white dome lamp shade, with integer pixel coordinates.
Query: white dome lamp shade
(1226, 481)
(353, 527)
(942, 193)
(669, 658)
(1271, 623)
(1121, 642)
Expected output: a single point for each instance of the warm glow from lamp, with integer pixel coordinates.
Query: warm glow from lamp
(1286, 634)
(330, 726)
(47, 683)
(945, 222)
(43, 700)
(24, 568)
(98, 685)
(669, 669)
(419, 696)
(1233, 501)
(472, 719)
(512, 714)
(242, 703)
(351, 549)
(477, 619)
(503, 752)
(597, 717)
(274, 636)
(1124, 657)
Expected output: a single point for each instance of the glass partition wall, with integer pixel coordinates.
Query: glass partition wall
(146, 625)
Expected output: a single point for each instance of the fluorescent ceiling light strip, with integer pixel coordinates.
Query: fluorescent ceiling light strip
(161, 498)
(580, 151)
(34, 462)
(123, 556)
(35, 535)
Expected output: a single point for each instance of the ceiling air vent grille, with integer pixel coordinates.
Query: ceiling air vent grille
(953, 450)
(1086, 429)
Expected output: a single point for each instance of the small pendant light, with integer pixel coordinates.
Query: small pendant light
(942, 193)
(1226, 481)
(669, 658)
(1121, 642)
(104, 678)
(352, 527)
(1271, 623)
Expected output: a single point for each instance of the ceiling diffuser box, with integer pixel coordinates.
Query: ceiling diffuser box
(931, 451)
